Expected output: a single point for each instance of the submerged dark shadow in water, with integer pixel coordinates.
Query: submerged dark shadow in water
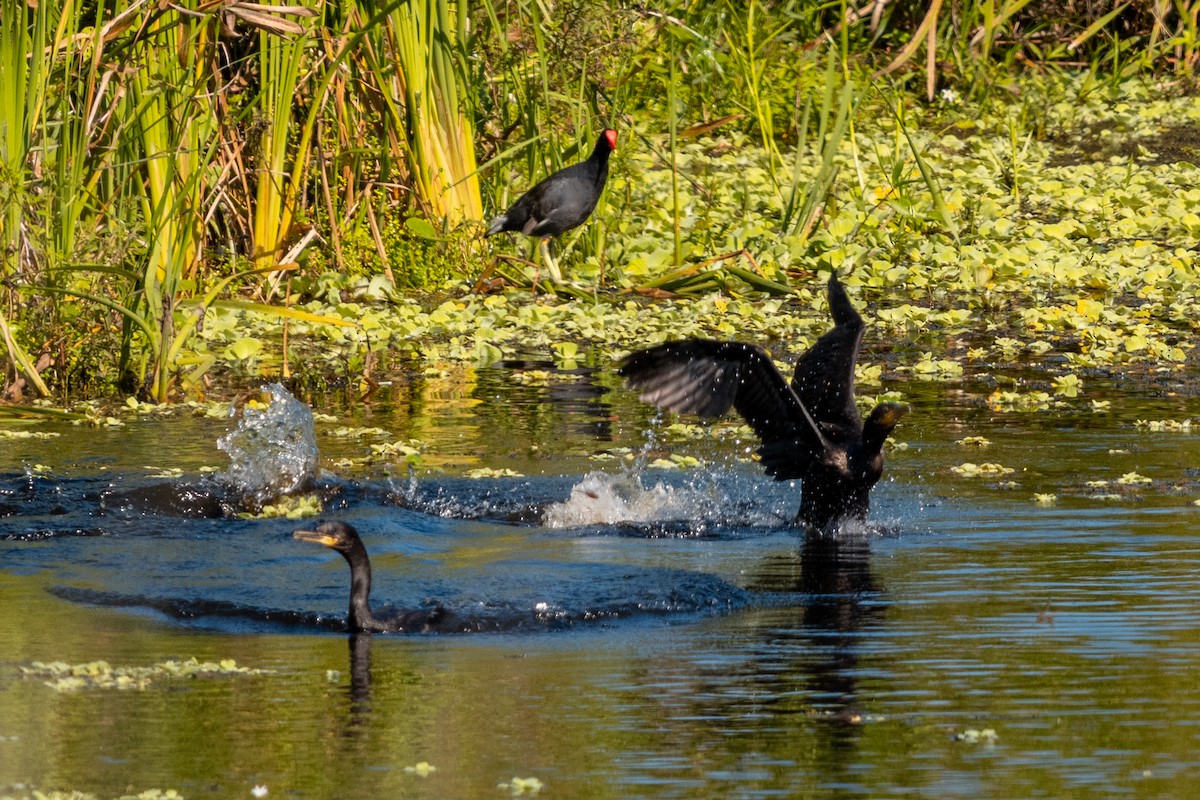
(207, 499)
(202, 498)
(513, 501)
(27, 494)
(578, 595)
(192, 610)
(42, 534)
(124, 496)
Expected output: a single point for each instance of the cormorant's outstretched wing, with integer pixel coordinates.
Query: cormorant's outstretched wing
(824, 377)
(700, 376)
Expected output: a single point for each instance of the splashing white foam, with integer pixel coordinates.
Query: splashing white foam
(603, 499)
(273, 450)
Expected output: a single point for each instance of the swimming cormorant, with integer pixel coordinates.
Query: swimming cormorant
(810, 429)
(343, 538)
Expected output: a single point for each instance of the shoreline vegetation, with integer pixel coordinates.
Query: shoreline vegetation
(193, 199)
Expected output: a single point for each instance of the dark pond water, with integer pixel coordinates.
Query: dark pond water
(972, 643)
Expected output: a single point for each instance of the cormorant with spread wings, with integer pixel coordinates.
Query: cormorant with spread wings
(810, 429)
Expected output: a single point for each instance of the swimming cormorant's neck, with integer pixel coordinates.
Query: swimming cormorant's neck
(361, 618)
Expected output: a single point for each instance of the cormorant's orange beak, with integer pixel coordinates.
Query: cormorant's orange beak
(315, 537)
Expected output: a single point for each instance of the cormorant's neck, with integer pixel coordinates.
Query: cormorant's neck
(361, 618)
(879, 425)
(874, 435)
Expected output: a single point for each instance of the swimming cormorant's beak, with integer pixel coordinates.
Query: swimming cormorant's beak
(316, 537)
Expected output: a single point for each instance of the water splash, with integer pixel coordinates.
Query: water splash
(601, 498)
(273, 449)
(604, 499)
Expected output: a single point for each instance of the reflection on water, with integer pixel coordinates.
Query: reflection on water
(698, 648)
(841, 597)
(360, 678)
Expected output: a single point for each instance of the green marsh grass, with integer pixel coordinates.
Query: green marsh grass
(805, 198)
(176, 142)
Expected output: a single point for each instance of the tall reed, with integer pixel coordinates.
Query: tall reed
(421, 65)
(838, 100)
(25, 32)
(279, 167)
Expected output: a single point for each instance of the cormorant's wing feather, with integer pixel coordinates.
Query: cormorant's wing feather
(824, 377)
(700, 376)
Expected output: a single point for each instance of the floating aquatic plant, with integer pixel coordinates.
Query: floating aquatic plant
(488, 472)
(972, 736)
(1017, 401)
(934, 368)
(1067, 385)
(867, 402)
(168, 473)
(1179, 425)
(288, 507)
(541, 377)
(63, 677)
(970, 470)
(522, 786)
(973, 441)
(676, 461)
(409, 451)
(100, 421)
(688, 430)
(348, 432)
(9, 434)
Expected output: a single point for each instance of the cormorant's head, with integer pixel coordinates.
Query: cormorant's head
(881, 422)
(336, 535)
